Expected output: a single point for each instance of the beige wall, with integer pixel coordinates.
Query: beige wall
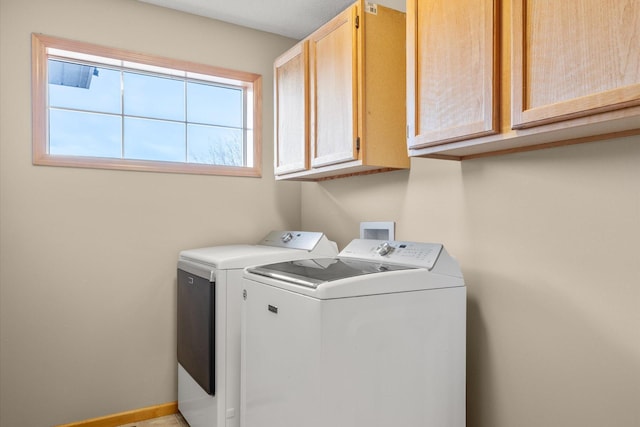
(88, 257)
(548, 243)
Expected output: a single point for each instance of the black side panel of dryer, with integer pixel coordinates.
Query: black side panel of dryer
(196, 328)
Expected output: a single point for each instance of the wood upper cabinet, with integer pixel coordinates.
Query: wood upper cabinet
(355, 113)
(573, 59)
(334, 95)
(291, 98)
(490, 77)
(452, 78)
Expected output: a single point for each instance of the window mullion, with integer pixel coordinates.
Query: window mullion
(245, 128)
(122, 113)
(186, 132)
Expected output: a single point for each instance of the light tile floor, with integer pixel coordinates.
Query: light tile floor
(174, 420)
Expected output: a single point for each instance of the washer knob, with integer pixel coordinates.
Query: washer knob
(384, 249)
(286, 237)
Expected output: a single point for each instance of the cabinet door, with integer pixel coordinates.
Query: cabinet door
(452, 81)
(573, 58)
(291, 81)
(333, 69)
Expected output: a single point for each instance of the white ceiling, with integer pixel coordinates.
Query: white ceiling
(290, 18)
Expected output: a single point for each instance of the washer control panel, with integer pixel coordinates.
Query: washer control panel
(413, 254)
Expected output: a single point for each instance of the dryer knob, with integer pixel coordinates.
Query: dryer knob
(384, 249)
(286, 237)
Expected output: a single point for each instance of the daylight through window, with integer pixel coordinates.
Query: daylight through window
(108, 108)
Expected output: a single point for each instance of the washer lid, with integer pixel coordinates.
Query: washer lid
(314, 272)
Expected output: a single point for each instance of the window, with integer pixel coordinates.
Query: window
(108, 108)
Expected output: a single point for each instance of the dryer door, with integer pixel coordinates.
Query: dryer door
(196, 328)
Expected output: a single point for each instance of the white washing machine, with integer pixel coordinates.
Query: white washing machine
(209, 312)
(372, 338)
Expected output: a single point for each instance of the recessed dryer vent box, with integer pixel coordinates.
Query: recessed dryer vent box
(379, 230)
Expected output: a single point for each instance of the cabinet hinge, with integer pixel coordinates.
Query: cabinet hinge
(357, 21)
(358, 144)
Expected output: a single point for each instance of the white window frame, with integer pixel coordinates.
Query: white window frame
(252, 83)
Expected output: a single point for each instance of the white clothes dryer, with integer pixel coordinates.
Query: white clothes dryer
(209, 311)
(373, 338)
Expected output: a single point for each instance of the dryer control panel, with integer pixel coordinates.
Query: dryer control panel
(412, 254)
(305, 240)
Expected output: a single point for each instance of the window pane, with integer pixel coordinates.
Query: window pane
(214, 105)
(249, 139)
(154, 140)
(82, 87)
(215, 145)
(84, 134)
(153, 97)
